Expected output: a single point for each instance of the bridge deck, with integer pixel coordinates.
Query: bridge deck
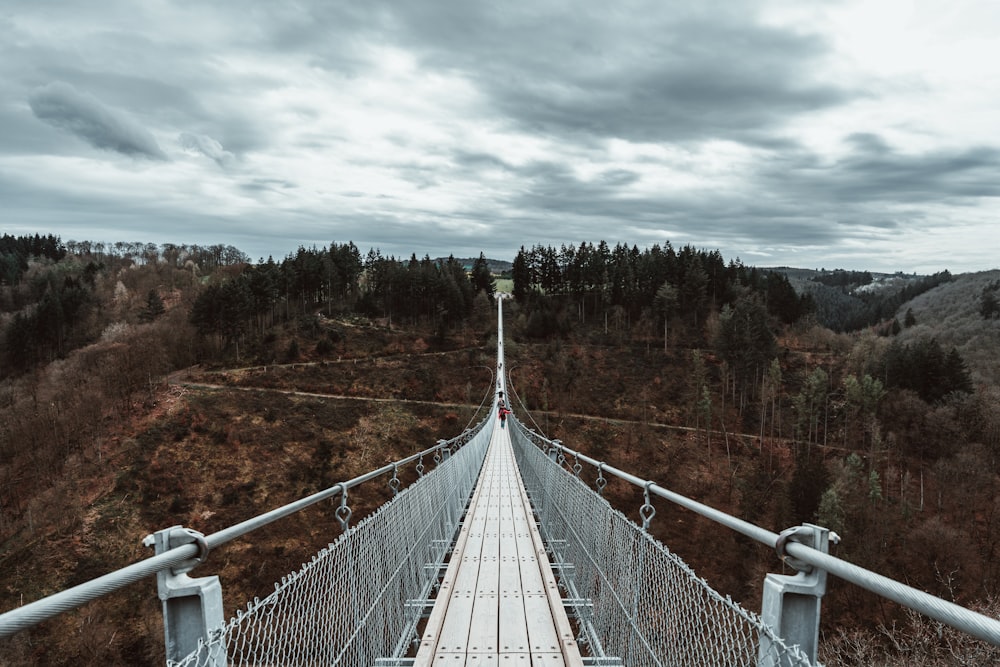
(499, 602)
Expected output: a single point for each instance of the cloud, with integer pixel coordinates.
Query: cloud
(208, 147)
(873, 172)
(640, 73)
(444, 125)
(63, 106)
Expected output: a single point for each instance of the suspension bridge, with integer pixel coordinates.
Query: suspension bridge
(499, 555)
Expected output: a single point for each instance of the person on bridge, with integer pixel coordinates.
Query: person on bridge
(503, 415)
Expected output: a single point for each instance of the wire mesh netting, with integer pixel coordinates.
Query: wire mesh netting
(359, 599)
(636, 600)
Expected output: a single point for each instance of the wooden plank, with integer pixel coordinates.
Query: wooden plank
(564, 632)
(513, 622)
(459, 622)
(542, 637)
(435, 623)
(485, 619)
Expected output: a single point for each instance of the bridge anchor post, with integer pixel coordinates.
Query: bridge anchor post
(791, 603)
(192, 606)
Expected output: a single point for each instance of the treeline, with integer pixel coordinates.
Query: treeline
(56, 297)
(842, 307)
(845, 279)
(50, 329)
(927, 369)
(598, 277)
(336, 279)
(438, 290)
(261, 295)
(206, 258)
(15, 251)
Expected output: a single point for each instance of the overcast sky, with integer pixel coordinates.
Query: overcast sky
(854, 134)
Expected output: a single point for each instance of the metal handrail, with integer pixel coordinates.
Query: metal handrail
(21, 618)
(968, 621)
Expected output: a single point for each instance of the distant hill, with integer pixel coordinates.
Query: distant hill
(950, 313)
(853, 300)
(497, 266)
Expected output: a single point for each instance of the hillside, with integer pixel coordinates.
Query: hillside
(950, 313)
(855, 300)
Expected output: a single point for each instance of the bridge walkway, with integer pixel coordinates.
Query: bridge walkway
(499, 603)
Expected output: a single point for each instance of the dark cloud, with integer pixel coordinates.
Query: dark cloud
(636, 71)
(144, 94)
(267, 185)
(208, 147)
(873, 172)
(62, 106)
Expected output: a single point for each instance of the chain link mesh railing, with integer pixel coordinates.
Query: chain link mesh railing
(635, 600)
(359, 599)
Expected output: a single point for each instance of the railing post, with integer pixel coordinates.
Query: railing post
(791, 604)
(192, 607)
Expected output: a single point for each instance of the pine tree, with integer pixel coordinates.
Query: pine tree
(666, 302)
(154, 307)
(989, 307)
(521, 275)
(482, 279)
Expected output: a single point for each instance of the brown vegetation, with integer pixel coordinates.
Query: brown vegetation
(111, 440)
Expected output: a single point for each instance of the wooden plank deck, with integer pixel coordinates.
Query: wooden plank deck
(498, 603)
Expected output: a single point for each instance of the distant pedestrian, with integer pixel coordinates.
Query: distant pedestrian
(503, 415)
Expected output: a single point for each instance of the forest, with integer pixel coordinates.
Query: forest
(720, 379)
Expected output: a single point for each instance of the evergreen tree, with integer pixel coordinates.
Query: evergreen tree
(482, 279)
(19, 342)
(694, 288)
(810, 404)
(666, 302)
(521, 275)
(154, 307)
(956, 373)
(745, 341)
(782, 301)
(989, 307)
(926, 369)
(806, 489)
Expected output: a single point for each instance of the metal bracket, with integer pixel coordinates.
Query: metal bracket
(791, 603)
(178, 536)
(600, 482)
(192, 607)
(394, 483)
(802, 535)
(647, 511)
(343, 512)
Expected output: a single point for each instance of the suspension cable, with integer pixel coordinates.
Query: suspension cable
(510, 388)
(489, 390)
